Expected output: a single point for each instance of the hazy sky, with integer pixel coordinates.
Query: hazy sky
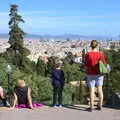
(85, 17)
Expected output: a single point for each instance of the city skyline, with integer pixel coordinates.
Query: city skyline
(56, 17)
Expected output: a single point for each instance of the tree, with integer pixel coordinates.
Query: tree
(16, 36)
(112, 80)
(83, 56)
(51, 64)
(41, 67)
(69, 58)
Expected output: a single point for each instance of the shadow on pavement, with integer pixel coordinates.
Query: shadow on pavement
(71, 107)
(76, 107)
(112, 107)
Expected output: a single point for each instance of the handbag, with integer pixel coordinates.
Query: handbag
(103, 68)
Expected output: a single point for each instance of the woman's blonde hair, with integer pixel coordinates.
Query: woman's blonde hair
(20, 82)
(94, 44)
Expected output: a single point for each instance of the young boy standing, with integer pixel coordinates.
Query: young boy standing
(58, 81)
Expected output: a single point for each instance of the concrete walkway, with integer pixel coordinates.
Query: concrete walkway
(48, 113)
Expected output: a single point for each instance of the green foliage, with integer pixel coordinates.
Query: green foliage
(72, 72)
(28, 66)
(115, 70)
(51, 65)
(67, 94)
(112, 80)
(41, 67)
(115, 80)
(80, 93)
(45, 89)
(3, 74)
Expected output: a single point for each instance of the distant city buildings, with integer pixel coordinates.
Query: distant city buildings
(45, 48)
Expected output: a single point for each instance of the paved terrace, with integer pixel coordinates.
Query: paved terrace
(48, 113)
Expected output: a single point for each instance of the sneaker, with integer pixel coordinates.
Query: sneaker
(6, 103)
(54, 105)
(60, 105)
(99, 108)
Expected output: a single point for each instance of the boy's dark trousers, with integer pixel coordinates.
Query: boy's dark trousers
(57, 94)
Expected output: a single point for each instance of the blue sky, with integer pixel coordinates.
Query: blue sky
(84, 17)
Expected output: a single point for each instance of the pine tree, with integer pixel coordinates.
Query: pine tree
(51, 65)
(41, 67)
(16, 36)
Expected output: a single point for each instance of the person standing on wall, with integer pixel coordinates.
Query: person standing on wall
(94, 78)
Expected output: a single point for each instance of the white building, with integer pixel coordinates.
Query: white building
(78, 60)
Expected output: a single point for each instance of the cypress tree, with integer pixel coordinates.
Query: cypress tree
(16, 37)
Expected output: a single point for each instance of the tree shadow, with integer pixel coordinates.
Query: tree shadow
(70, 107)
(81, 108)
(116, 107)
